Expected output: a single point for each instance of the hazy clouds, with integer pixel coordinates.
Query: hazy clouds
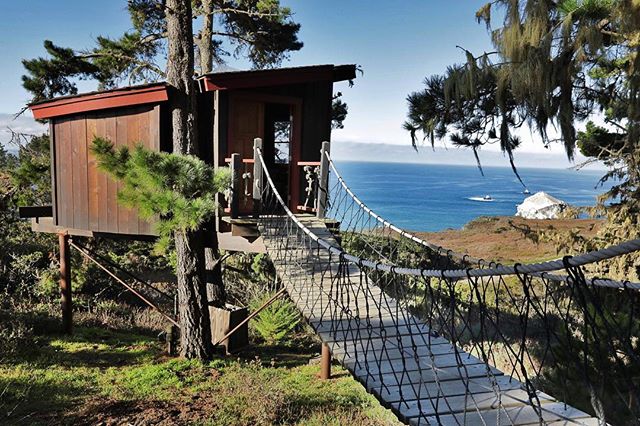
(357, 151)
(23, 124)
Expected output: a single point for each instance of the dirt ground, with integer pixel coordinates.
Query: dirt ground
(505, 239)
(112, 412)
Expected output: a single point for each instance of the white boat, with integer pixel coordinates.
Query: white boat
(486, 198)
(526, 191)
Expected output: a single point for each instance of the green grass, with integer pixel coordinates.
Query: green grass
(100, 375)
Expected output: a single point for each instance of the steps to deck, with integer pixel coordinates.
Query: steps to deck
(421, 376)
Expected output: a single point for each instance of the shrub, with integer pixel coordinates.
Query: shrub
(16, 334)
(276, 321)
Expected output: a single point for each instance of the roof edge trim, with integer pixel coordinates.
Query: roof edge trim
(129, 96)
(274, 77)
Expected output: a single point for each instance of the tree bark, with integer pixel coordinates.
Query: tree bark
(216, 293)
(195, 326)
(205, 43)
(215, 286)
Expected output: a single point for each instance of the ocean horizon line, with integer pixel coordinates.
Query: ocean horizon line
(491, 166)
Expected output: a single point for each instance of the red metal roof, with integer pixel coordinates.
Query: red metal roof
(128, 96)
(275, 77)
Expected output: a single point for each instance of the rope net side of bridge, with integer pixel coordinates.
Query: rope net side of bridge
(370, 236)
(456, 341)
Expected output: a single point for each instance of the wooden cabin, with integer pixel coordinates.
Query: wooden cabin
(288, 108)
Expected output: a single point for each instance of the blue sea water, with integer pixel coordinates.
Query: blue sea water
(426, 197)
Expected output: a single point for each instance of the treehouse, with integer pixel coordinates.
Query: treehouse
(288, 109)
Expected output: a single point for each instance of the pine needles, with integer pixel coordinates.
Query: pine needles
(178, 190)
(277, 320)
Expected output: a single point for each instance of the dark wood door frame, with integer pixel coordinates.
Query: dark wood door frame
(296, 135)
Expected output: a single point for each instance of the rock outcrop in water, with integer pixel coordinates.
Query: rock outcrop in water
(541, 206)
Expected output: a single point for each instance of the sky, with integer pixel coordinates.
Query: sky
(395, 43)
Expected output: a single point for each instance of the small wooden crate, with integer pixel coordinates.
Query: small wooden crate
(225, 320)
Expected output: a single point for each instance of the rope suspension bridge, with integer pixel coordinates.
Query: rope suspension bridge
(444, 338)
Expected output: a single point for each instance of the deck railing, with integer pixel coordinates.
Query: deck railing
(244, 191)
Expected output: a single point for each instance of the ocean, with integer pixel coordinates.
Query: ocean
(426, 197)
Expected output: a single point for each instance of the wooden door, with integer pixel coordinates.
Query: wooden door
(246, 122)
(247, 113)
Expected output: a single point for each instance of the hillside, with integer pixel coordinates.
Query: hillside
(504, 239)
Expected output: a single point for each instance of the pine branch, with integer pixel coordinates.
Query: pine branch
(133, 60)
(236, 11)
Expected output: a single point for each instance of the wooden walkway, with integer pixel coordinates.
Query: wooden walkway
(394, 355)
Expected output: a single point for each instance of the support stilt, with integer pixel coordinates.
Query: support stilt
(325, 363)
(66, 303)
(172, 338)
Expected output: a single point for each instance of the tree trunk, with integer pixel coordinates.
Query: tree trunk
(216, 293)
(180, 63)
(205, 44)
(195, 327)
(215, 286)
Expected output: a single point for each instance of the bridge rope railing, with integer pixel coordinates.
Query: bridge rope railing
(373, 225)
(459, 346)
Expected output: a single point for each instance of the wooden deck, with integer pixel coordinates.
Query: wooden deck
(395, 356)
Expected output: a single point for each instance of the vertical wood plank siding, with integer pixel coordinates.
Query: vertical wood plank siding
(122, 139)
(65, 173)
(80, 192)
(102, 180)
(86, 198)
(92, 177)
(112, 186)
(54, 165)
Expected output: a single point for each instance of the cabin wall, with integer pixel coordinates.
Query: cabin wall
(85, 197)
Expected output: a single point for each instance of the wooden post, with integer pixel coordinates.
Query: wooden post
(257, 178)
(236, 173)
(172, 338)
(325, 363)
(323, 181)
(65, 283)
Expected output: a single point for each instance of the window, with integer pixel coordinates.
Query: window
(282, 140)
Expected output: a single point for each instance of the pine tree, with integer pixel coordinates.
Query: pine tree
(555, 63)
(177, 190)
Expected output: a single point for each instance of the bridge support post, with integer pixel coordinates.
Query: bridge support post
(323, 181)
(66, 303)
(325, 363)
(236, 172)
(257, 178)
